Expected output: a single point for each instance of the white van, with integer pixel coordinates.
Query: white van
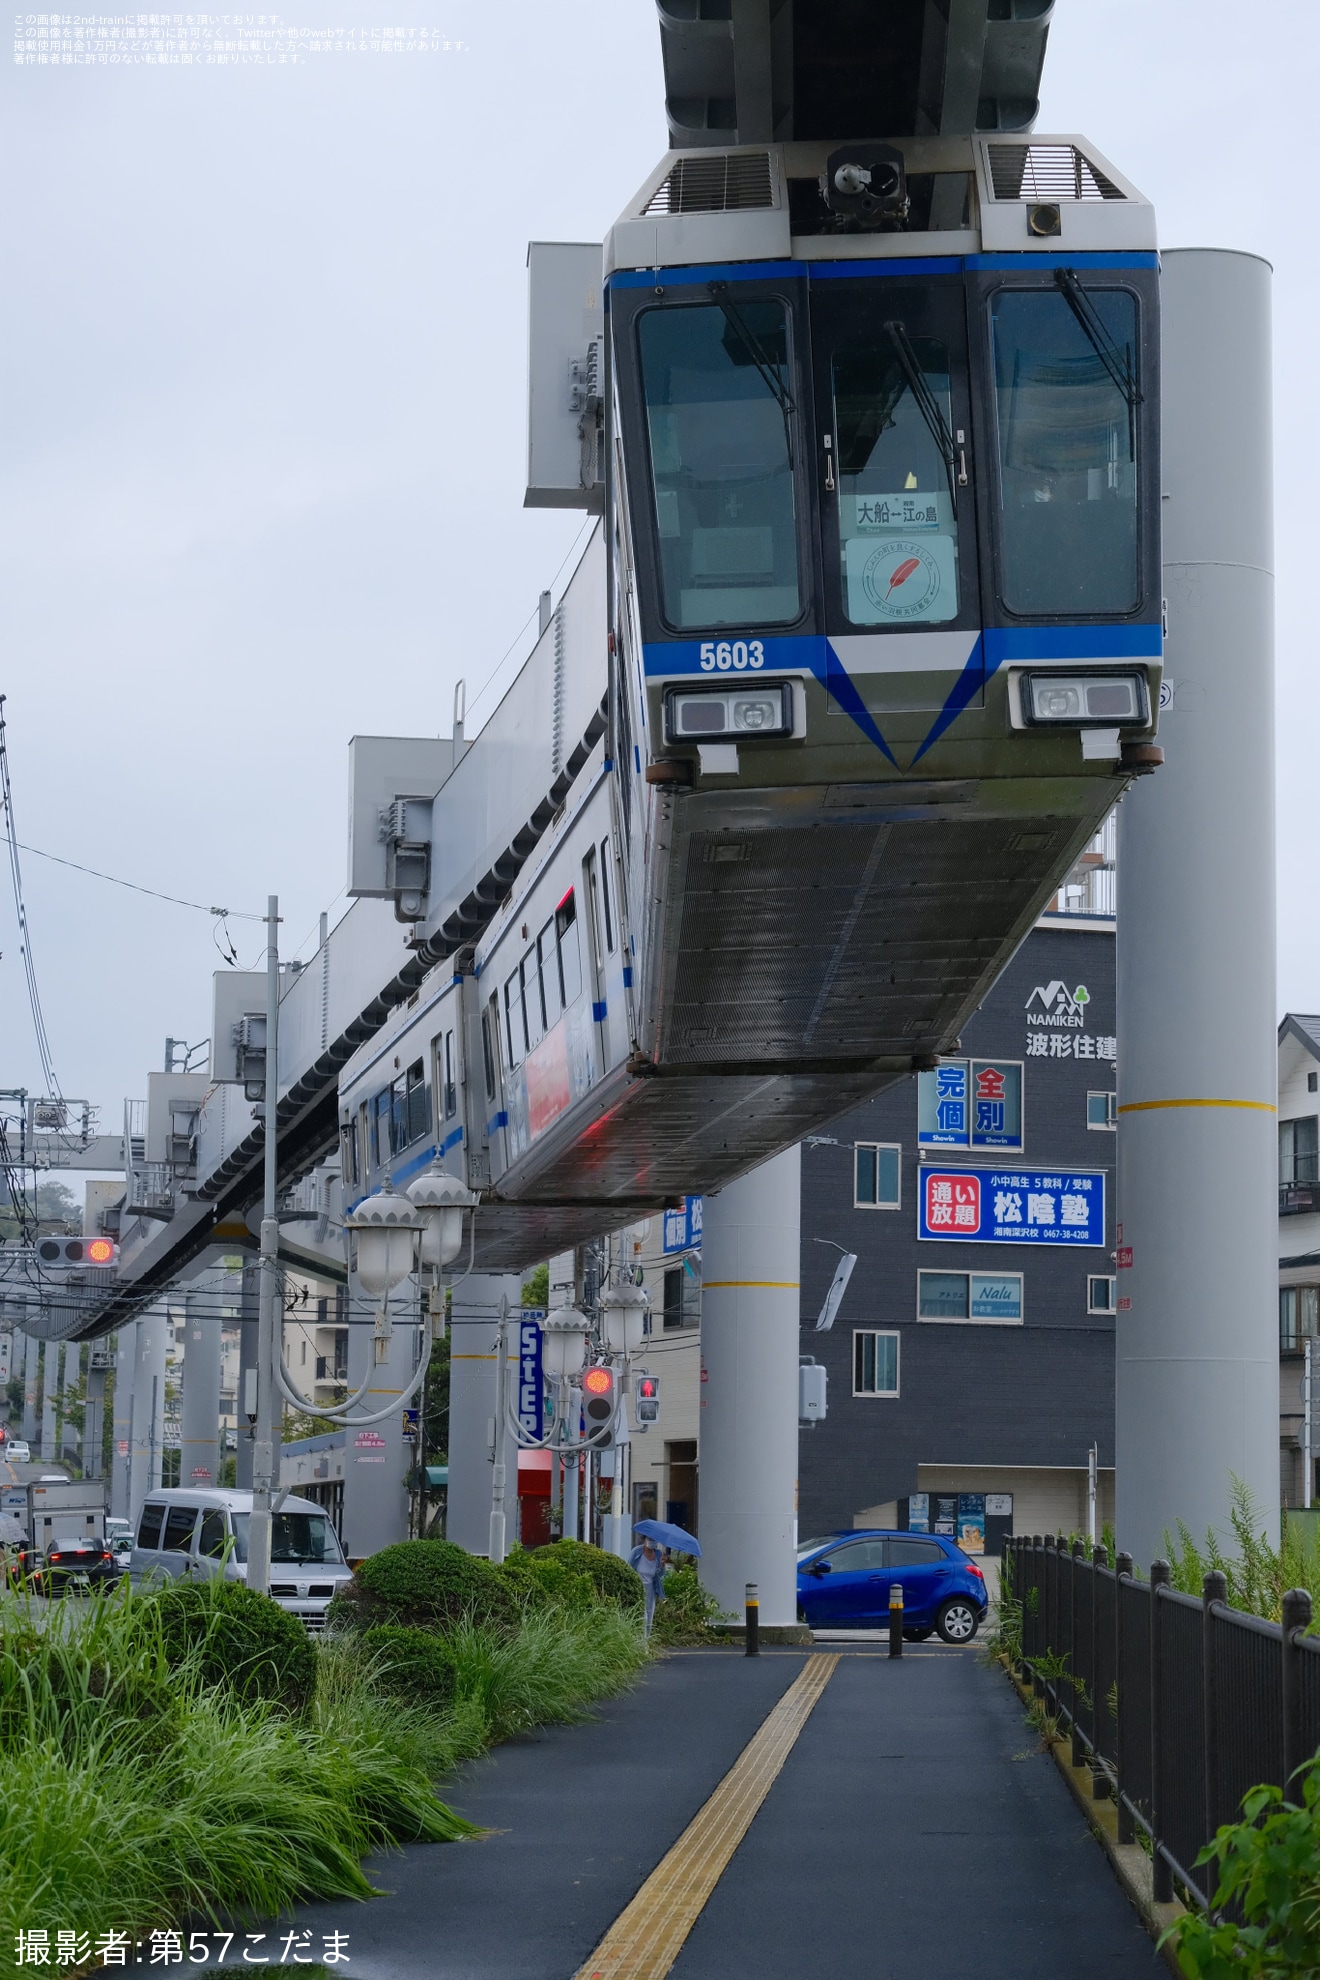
(206, 1533)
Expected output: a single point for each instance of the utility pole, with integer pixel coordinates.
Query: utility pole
(1308, 1462)
(265, 1452)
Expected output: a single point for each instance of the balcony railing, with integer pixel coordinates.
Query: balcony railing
(1298, 1199)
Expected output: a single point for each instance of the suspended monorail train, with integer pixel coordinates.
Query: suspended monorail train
(866, 645)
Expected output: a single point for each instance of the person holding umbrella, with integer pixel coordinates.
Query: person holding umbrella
(648, 1560)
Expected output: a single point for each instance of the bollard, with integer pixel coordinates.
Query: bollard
(895, 1618)
(752, 1604)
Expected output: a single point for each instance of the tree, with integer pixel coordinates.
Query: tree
(58, 1213)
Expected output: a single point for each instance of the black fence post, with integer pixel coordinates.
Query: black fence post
(1077, 1755)
(1099, 1778)
(1296, 1622)
(1127, 1828)
(1161, 1876)
(1045, 1620)
(1213, 1589)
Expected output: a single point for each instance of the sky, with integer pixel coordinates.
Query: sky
(262, 445)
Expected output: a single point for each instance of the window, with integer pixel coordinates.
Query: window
(570, 954)
(682, 1296)
(536, 995)
(1065, 375)
(970, 1103)
(876, 1175)
(898, 532)
(211, 1542)
(915, 1553)
(1312, 1082)
(364, 1135)
(490, 1024)
(417, 1103)
(1298, 1310)
(875, 1363)
(350, 1153)
(605, 895)
(1102, 1110)
(1299, 1150)
(379, 1106)
(720, 420)
(858, 1557)
(179, 1524)
(449, 1085)
(981, 1297)
(1100, 1295)
(515, 1032)
(149, 1526)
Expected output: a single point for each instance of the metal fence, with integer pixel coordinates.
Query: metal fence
(1178, 1706)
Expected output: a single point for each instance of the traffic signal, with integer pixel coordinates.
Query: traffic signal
(77, 1251)
(600, 1403)
(648, 1399)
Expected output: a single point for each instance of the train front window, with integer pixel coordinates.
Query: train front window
(896, 453)
(720, 420)
(1066, 398)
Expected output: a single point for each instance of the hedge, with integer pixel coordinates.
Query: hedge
(425, 1584)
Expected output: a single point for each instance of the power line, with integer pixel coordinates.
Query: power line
(25, 938)
(234, 914)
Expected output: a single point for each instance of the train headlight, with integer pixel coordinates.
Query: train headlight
(701, 714)
(1084, 701)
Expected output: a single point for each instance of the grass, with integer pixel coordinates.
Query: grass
(135, 1795)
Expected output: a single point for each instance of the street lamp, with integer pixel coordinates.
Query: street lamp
(623, 1311)
(564, 1340)
(440, 1199)
(386, 1228)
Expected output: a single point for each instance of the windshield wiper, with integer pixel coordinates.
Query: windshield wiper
(765, 365)
(1118, 363)
(927, 404)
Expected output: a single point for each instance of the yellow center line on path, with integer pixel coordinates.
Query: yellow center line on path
(648, 1935)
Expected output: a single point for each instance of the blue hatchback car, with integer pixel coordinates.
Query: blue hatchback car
(844, 1582)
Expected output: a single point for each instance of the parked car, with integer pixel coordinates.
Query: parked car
(845, 1578)
(80, 1562)
(17, 1451)
(206, 1533)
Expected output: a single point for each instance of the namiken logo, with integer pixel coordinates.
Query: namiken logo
(1058, 1005)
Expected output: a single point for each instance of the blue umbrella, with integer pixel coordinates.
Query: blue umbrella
(669, 1536)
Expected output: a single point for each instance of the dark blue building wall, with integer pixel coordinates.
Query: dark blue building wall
(970, 1393)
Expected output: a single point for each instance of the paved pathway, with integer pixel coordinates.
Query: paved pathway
(916, 1832)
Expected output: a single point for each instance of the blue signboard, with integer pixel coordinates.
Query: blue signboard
(970, 1103)
(1012, 1206)
(683, 1226)
(531, 1379)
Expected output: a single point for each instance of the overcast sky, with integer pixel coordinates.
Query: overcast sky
(263, 438)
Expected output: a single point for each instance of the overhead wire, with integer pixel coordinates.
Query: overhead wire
(25, 935)
(134, 886)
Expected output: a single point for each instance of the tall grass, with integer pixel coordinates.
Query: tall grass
(1259, 1574)
(549, 1671)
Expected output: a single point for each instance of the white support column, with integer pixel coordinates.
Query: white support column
(70, 1437)
(147, 1436)
(199, 1427)
(94, 1411)
(473, 1359)
(1197, 1326)
(377, 1456)
(50, 1384)
(749, 1387)
(31, 1382)
(121, 1438)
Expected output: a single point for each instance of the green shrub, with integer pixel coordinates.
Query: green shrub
(689, 1613)
(613, 1579)
(238, 1639)
(425, 1584)
(569, 1575)
(1269, 1876)
(414, 1665)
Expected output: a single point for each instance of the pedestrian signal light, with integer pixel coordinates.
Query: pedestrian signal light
(648, 1399)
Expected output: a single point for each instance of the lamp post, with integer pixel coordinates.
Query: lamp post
(623, 1312)
(386, 1227)
(265, 1461)
(564, 1344)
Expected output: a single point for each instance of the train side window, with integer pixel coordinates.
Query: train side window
(533, 998)
(1066, 397)
(720, 419)
(363, 1136)
(380, 1128)
(605, 894)
(515, 1029)
(398, 1098)
(570, 954)
(350, 1154)
(548, 967)
(417, 1102)
(450, 1082)
(490, 1017)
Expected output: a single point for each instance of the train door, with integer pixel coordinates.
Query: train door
(898, 519)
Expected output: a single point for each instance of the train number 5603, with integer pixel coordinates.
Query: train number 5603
(737, 654)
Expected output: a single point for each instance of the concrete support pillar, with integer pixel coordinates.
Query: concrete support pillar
(31, 1388)
(749, 1387)
(50, 1388)
(147, 1437)
(199, 1436)
(121, 1429)
(377, 1456)
(1197, 1325)
(473, 1361)
(71, 1436)
(93, 1436)
(247, 1359)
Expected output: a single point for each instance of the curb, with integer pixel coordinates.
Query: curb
(1129, 1861)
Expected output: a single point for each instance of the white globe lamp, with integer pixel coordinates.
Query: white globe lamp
(386, 1228)
(563, 1341)
(623, 1311)
(440, 1199)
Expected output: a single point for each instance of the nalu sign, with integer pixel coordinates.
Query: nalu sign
(970, 1103)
